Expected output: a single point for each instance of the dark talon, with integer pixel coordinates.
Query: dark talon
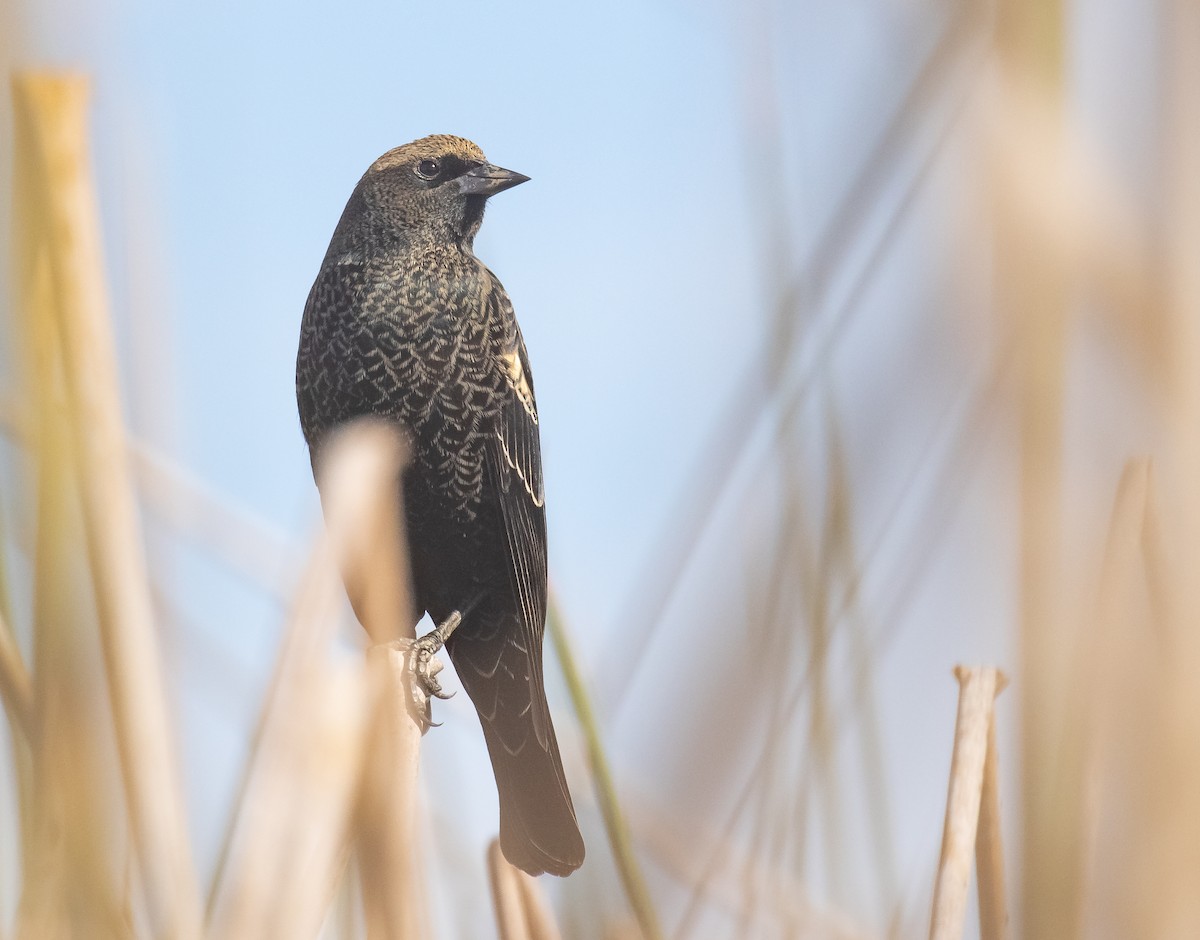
(425, 667)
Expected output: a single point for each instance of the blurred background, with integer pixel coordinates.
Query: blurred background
(845, 319)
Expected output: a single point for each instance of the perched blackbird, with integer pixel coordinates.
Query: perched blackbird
(404, 322)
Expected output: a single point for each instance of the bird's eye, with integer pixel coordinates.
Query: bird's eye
(428, 169)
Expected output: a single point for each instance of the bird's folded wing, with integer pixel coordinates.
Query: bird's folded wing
(517, 462)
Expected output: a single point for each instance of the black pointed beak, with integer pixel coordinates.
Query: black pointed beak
(487, 180)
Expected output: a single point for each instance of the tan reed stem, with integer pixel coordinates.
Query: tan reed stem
(360, 491)
(989, 848)
(16, 688)
(977, 693)
(538, 916)
(53, 109)
(293, 825)
(511, 920)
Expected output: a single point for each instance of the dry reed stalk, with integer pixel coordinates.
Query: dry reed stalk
(288, 842)
(278, 876)
(511, 920)
(359, 480)
(393, 899)
(972, 732)
(53, 113)
(1033, 235)
(520, 906)
(1163, 855)
(69, 853)
(73, 845)
(1126, 538)
(989, 848)
(360, 492)
(538, 915)
(1105, 651)
(1061, 223)
(43, 864)
(16, 688)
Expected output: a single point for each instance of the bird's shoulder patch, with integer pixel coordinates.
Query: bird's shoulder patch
(517, 432)
(514, 371)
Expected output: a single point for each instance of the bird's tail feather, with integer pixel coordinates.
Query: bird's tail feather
(538, 830)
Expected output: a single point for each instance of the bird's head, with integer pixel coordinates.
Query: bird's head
(434, 188)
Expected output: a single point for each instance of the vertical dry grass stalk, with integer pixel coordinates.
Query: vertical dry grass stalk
(1034, 293)
(989, 847)
(1167, 807)
(511, 923)
(276, 876)
(521, 911)
(337, 746)
(60, 753)
(1040, 201)
(974, 755)
(393, 897)
(16, 688)
(1111, 708)
(542, 925)
(58, 194)
(288, 844)
(359, 483)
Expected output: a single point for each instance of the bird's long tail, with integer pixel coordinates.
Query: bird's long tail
(538, 831)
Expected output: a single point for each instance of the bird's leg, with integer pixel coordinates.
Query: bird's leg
(423, 651)
(422, 668)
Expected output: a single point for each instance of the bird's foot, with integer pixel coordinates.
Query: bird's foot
(422, 668)
(425, 668)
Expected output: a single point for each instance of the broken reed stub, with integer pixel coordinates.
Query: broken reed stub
(973, 740)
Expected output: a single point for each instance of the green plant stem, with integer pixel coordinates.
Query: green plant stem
(610, 808)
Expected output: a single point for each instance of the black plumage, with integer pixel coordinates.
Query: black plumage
(404, 322)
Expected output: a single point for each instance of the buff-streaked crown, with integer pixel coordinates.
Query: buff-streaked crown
(427, 193)
(433, 147)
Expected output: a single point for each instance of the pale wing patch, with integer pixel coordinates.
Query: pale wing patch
(516, 378)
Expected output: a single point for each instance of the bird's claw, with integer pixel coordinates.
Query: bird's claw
(425, 667)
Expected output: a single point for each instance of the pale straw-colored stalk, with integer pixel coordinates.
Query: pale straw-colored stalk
(520, 907)
(387, 844)
(973, 741)
(511, 922)
(989, 848)
(53, 139)
(539, 917)
(359, 479)
(337, 745)
(1034, 293)
(288, 842)
(16, 687)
